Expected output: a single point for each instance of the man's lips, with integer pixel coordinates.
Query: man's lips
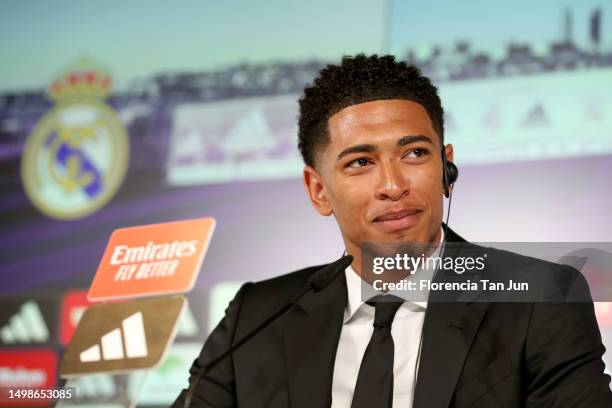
(392, 221)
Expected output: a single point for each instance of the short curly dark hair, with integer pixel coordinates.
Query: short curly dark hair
(356, 80)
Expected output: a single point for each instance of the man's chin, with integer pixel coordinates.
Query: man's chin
(408, 236)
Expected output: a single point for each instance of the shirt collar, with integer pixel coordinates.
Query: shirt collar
(354, 289)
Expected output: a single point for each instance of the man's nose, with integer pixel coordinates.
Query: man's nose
(393, 184)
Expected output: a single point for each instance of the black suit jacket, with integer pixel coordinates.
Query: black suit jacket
(474, 354)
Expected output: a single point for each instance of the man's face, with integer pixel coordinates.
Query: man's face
(381, 174)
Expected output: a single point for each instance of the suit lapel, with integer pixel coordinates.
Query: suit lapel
(448, 332)
(311, 335)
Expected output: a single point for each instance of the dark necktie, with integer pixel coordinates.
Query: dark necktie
(374, 388)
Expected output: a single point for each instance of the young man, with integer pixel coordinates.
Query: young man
(371, 133)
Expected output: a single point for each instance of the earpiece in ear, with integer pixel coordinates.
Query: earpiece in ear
(450, 174)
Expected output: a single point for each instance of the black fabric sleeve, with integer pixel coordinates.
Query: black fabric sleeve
(564, 353)
(217, 387)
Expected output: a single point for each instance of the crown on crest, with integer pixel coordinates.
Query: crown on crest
(83, 78)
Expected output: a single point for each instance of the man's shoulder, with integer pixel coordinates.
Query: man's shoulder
(268, 295)
(502, 259)
(509, 259)
(554, 278)
(292, 281)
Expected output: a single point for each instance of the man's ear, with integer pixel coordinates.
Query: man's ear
(316, 191)
(448, 151)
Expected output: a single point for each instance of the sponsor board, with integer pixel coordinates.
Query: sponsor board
(119, 337)
(221, 295)
(74, 304)
(191, 325)
(27, 320)
(152, 260)
(163, 384)
(26, 369)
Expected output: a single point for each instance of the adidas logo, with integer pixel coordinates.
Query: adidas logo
(25, 326)
(131, 333)
(124, 336)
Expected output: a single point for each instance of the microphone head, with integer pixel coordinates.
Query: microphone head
(325, 276)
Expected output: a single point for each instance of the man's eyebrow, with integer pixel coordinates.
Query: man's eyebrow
(362, 148)
(370, 148)
(406, 140)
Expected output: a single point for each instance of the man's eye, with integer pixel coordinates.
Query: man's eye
(362, 162)
(416, 153)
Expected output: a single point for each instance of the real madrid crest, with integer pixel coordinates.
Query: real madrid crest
(77, 155)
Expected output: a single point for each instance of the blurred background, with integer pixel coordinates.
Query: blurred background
(115, 114)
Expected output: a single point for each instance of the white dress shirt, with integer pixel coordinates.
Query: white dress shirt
(356, 331)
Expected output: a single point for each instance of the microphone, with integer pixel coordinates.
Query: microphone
(316, 283)
(322, 278)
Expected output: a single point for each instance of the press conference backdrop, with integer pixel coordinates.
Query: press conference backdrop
(116, 114)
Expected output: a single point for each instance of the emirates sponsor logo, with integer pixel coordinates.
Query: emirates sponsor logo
(150, 261)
